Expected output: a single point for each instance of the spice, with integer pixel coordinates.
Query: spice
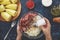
(30, 4)
(46, 3)
(55, 11)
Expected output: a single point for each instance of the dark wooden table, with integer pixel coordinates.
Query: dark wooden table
(55, 28)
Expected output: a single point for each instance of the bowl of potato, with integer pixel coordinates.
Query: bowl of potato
(9, 10)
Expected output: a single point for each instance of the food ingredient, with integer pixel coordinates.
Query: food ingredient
(55, 11)
(3, 2)
(30, 4)
(33, 31)
(47, 3)
(11, 6)
(6, 16)
(56, 19)
(11, 12)
(32, 21)
(2, 8)
(14, 1)
(8, 9)
(39, 21)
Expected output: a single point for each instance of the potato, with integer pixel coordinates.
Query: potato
(5, 2)
(1, 0)
(11, 12)
(12, 6)
(2, 8)
(6, 16)
(14, 1)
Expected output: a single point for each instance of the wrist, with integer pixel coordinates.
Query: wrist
(48, 37)
(47, 34)
(18, 37)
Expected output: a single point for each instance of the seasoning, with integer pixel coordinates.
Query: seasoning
(30, 4)
(55, 11)
(47, 3)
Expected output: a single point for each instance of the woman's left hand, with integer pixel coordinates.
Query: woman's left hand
(19, 33)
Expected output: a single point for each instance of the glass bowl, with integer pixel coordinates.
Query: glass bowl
(32, 37)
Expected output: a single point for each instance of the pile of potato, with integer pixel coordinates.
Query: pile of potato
(8, 9)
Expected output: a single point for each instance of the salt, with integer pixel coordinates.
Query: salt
(47, 3)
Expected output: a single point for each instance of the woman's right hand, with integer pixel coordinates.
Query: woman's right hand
(47, 29)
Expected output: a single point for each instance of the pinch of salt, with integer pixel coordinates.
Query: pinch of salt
(40, 22)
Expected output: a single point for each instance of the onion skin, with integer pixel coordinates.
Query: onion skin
(57, 19)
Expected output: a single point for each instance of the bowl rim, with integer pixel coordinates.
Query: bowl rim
(30, 37)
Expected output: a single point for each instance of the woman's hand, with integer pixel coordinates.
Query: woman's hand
(19, 33)
(47, 29)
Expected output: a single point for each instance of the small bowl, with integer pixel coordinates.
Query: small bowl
(18, 13)
(32, 37)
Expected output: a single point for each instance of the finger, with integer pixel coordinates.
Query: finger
(18, 30)
(42, 27)
(23, 29)
(47, 22)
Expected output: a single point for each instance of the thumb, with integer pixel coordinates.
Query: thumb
(42, 28)
(18, 30)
